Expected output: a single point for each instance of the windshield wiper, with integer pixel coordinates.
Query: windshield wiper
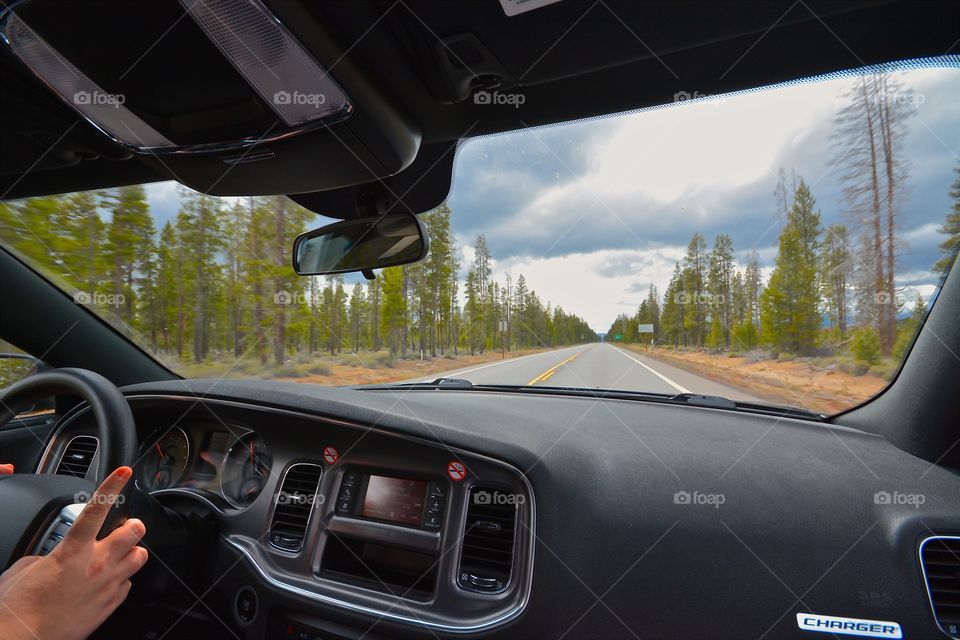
(689, 399)
(439, 383)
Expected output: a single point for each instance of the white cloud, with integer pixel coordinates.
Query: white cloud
(573, 281)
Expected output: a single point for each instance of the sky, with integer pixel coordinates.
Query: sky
(593, 212)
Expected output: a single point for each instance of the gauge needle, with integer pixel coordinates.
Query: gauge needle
(163, 458)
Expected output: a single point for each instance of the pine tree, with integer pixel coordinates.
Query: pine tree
(131, 229)
(834, 272)
(672, 316)
(789, 305)
(200, 231)
(393, 315)
(719, 283)
(357, 317)
(951, 227)
(694, 284)
(80, 232)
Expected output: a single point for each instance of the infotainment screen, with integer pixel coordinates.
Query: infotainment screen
(395, 499)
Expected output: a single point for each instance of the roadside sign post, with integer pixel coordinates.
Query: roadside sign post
(646, 328)
(504, 327)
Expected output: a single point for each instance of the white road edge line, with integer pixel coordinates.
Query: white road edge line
(493, 364)
(656, 373)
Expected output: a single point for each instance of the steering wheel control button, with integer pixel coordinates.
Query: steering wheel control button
(246, 605)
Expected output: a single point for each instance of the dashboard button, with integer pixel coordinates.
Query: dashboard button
(351, 478)
(246, 604)
(437, 490)
(432, 521)
(347, 492)
(435, 505)
(344, 506)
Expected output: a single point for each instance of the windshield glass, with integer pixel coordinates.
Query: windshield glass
(779, 246)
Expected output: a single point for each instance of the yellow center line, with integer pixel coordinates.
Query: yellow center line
(549, 372)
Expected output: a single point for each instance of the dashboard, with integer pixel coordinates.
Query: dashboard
(351, 514)
(337, 513)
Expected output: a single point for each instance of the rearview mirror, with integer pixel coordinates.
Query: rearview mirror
(361, 244)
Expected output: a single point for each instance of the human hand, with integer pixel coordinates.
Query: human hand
(67, 594)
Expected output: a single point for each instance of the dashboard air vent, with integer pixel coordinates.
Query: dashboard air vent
(486, 557)
(294, 503)
(78, 456)
(940, 557)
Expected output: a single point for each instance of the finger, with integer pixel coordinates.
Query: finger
(90, 520)
(120, 540)
(6, 469)
(132, 562)
(122, 593)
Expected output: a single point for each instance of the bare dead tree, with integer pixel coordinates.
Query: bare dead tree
(868, 151)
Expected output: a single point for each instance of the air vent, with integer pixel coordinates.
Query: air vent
(486, 557)
(294, 503)
(78, 456)
(940, 556)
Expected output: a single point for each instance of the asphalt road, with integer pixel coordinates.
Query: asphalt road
(604, 366)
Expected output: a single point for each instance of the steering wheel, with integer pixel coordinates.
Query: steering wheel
(30, 503)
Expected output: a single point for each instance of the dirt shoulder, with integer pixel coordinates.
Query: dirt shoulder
(813, 384)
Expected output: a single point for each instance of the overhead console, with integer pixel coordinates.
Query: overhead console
(237, 97)
(335, 516)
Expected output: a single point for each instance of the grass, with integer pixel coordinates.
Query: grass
(299, 365)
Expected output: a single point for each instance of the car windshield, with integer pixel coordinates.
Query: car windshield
(778, 246)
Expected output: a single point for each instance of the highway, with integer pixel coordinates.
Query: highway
(599, 365)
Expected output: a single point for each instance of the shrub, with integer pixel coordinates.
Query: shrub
(320, 370)
(744, 336)
(866, 346)
(905, 333)
(758, 355)
(288, 371)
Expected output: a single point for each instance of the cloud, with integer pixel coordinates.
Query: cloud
(592, 210)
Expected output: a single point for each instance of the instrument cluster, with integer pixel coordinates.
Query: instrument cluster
(234, 463)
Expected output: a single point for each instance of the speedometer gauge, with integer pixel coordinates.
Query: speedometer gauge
(165, 462)
(245, 468)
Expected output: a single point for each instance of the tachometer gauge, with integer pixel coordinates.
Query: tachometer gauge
(165, 462)
(245, 468)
